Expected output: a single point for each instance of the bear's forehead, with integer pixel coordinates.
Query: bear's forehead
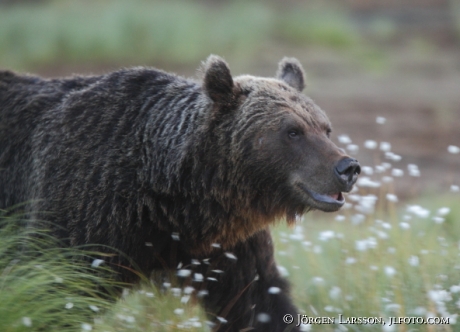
(274, 92)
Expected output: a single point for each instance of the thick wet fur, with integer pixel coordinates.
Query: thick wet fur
(163, 168)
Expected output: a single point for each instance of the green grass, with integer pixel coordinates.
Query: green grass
(176, 32)
(147, 309)
(44, 287)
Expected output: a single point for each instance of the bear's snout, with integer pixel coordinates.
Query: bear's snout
(347, 171)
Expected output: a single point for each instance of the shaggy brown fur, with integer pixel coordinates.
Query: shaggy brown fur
(162, 168)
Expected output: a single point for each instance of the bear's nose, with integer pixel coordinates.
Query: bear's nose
(347, 170)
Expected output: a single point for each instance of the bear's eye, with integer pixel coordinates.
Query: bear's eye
(293, 133)
(328, 133)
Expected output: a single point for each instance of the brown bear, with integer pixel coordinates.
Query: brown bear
(174, 172)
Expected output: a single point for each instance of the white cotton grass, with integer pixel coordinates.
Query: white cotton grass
(231, 256)
(392, 198)
(326, 235)
(380, 238)
(274, 290)
(370, 144)
(97, 262)
(184, 273)
(344, 139)
(453, 149)
(389, 271)
(335, 293)
(86, 327)
(352, 148)
(26, 321)
(385, 146)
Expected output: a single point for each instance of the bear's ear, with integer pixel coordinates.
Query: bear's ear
(218, 82)
(291, 72)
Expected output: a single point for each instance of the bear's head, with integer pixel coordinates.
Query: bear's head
(274, 142)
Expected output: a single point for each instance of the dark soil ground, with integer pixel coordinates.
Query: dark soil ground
(417, 90)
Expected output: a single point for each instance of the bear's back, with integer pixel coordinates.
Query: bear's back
(24, 99)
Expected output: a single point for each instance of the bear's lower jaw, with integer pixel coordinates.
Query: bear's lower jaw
(323, 202)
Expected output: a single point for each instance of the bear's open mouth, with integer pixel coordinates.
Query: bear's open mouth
(336, 198)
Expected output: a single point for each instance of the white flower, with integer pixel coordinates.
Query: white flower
(396, 172)
(365, 181)
(392, 198)
(455, 289)
(221, 319)
(357, 219)
(367, 170)
(352, 148)
(188, 290)
(413, 260)
(443, 211)
(366, 204)
(453, 149)
(93, 308)
(274, 290)
(69, 305)
(176, 292)
(97, 262)
(198, 277)
(263, 317)
(439, 296)
(413, 170)
(184, 273)
(385, 146)
(392, 156)
(363, 245)
(370, 144)
(326, 235)
(418, 211)
(350, 260)
(179, 311)
(318, 280)
(26, 321)
(390, 271)
(335, 292)
(344, 139)
(380, 120)
(86, 327)
(230, 256)
(454, 188)
(404, 225)
(340, 217)
(387, 179)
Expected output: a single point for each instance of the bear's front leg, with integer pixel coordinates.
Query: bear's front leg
(249, 293)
